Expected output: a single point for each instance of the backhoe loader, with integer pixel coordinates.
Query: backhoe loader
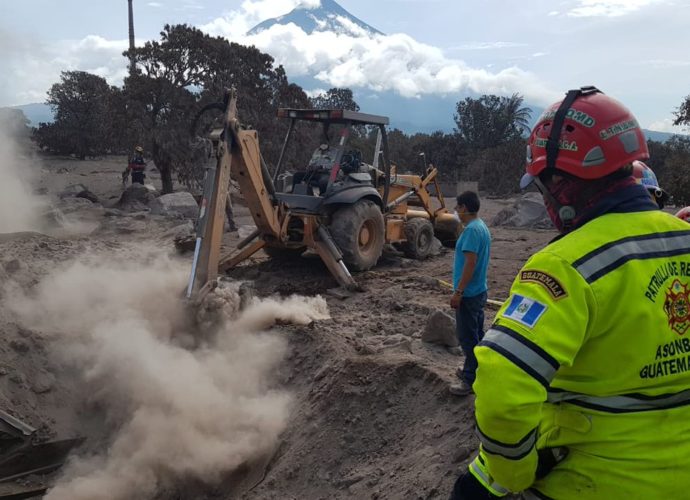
(340, 207)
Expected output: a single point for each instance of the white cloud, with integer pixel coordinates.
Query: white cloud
(35, 67)
(664, 63)
(315, 92)
(486, 46)
(155, 4)
(394, 62)
(609, 8)
(666, 125)
(235, 24)
(191, 5)
(376, 63)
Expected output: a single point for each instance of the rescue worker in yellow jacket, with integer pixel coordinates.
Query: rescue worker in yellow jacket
(583, 384)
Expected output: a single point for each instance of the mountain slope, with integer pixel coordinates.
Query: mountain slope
(36, 113)
(328, 16)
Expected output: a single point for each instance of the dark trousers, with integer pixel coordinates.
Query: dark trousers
(138, 176)
(469, 321)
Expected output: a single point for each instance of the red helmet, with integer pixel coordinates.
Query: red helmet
(588, 135)
(684, 213)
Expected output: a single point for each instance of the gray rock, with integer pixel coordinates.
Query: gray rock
(129, 226)
(135, 198)
(171, 205)
(440, 329)
(437, 248)
(180, 231)
(19, 346)
(88, 195)
(74, 204)
(528, 211)
(72, 190)
(43, 382)
(113, 212)
(13, 266)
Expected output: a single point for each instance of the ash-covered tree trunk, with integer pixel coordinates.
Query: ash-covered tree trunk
(164, 167)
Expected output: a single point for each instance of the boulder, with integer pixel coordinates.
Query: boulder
(72, 190)
(135, 198)
(73, 204)
(440, 329)
(528, 212)
(78, 191)
(176, 204)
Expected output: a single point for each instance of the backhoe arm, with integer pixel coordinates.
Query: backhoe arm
(238, 156)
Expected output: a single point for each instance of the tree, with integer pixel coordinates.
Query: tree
(499, 169)
(674, 173)
(187, 69)
(335, 98)
(491, 120)
(444, 151)
(682, 114)
(80, 103)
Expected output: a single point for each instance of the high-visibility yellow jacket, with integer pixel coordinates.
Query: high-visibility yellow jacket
(592, 352)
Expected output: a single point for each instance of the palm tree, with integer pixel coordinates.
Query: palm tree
(517, 115)
(131, 38)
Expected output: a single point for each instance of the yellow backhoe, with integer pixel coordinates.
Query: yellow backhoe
(340, 207)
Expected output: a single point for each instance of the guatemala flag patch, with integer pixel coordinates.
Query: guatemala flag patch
(524, 310)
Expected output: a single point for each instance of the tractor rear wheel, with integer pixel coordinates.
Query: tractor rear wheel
(359, 232)
(419, 236)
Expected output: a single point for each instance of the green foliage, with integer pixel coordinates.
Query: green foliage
(81, 103)
(671, 163)
(335, 98)
(499, 169)
(187, 69)
(682, 114)
(491, 120)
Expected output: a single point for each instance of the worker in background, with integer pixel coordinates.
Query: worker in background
(645, 176)
(137, 167)
(583, 381)
(469, 281)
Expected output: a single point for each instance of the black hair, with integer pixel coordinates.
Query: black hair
(470, 200)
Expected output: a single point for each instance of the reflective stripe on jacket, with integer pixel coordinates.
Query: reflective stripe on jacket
(592, 352)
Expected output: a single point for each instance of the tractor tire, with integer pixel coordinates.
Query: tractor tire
(277, 253)
(419, 238)
(359, 232)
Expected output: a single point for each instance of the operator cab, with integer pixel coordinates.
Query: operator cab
(335, 172)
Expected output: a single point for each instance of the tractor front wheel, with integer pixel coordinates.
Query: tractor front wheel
(419, 238)
(359, 232)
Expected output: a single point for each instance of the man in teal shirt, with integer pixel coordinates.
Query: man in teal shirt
(469, 281)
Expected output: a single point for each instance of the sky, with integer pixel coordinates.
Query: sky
(634, 50)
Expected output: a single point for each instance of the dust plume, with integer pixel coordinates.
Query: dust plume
(20, 209)
(175, 413)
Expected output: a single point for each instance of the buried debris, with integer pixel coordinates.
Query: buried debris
(21, 457)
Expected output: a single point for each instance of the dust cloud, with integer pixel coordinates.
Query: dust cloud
(20, 209)
(175, 413)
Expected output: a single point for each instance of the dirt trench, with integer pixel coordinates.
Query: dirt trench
(362, 426)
